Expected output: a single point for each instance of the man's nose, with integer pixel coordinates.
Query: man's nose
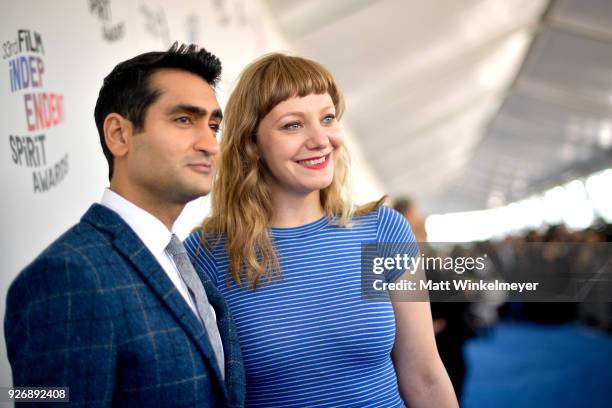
(207, 142)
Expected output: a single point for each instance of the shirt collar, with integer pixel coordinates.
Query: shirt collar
(151, 231)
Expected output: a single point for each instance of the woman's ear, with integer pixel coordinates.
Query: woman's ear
(118, 132)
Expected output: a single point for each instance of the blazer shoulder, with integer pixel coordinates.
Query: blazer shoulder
(96, 230)
(79, 238)
(67, 262)
(61, 273)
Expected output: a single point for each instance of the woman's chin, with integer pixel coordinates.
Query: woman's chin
(320, 185)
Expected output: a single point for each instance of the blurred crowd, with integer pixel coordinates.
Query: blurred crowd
(575, 263)
(556, 255)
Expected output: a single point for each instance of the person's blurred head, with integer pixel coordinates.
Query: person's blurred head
(532, 236)
(555, 233)
(403, 205)
(408, 208)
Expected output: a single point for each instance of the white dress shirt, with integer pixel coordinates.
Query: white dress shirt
(154, 234)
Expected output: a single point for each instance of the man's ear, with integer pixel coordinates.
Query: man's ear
(118, 132)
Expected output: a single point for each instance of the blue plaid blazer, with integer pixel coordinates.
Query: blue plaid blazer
(96, 312)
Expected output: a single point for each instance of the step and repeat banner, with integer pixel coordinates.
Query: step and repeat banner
(54, 58)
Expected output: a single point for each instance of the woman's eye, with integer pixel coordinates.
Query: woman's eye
(292, 125)
(329, 118)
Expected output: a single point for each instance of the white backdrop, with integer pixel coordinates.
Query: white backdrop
(54, 57)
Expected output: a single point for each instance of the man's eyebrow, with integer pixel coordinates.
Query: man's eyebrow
(217, 114)
(195, 110)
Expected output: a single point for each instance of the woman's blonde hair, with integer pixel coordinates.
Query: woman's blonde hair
(241, 202)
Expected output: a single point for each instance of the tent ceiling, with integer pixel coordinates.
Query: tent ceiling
(467, 104)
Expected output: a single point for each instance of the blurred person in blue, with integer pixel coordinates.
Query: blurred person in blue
(283, 244)
(113, 309)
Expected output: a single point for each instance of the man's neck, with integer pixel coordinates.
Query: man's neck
(165, 212)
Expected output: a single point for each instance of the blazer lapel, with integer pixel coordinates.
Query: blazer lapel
(229, 335)
(129, 245)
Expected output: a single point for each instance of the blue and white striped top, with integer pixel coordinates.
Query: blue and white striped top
(308, 338)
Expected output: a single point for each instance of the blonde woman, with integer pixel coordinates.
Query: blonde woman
(283, 245)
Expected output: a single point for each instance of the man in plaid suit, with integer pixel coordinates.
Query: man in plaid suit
(104, 310)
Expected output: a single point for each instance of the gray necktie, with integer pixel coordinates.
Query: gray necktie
(179, 255)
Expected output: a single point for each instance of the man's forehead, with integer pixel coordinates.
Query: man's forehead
(183, 87)
(175, 80)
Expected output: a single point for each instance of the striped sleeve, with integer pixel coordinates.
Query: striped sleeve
(394, 237)
(201, 256)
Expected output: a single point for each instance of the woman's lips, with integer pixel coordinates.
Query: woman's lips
(315, 163)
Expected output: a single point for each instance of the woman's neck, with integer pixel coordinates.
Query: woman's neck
(295, 210)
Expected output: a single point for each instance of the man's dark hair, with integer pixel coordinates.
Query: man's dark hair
(128, 92)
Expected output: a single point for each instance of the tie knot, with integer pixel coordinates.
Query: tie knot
(175, 247)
